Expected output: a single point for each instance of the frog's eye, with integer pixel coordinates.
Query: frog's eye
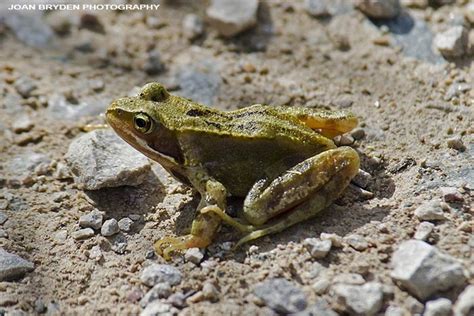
(143, 123)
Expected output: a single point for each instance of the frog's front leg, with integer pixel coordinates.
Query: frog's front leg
(204, 225)
(300, 193)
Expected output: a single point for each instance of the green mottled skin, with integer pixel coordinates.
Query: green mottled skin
(229, 153)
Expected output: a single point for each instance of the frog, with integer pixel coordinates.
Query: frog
(280, 160)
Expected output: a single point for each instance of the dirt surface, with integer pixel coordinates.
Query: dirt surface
(343, 61)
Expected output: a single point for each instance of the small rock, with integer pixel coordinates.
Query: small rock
(357, 242)
(344, 140)
(100, 159)
(362, 179)
(349, 278)
(160, 290)
(12, 266)
(3, 233)
(40, 307)
(193, 26)
(158, 273)
(456, 143)
(359, 299)
(125, 224)
(317, 8)
(95, 253)
(231, 17)
(466, 226)
(379, 9)
(321, 285)
(153, 64)
(456, 89)
(317, 248)
(157, 308)
(320, 308)
(423, 270)
(358, 133)
(452, 42)
(424, 231)
(439, 307)
(335, 239)
(430, 211)
(134, 217)
(60, 236)
(30, 28)
(395, 311)
(7, 300)
(109, 228)
(24, 86)
(3, 218)
(465, 304)
(281, 295)
(22, 124)
(210, 292)
(177, 300)
(119, 243)
(194, 255)
(451, 194)
(83, 233)
(92, 220)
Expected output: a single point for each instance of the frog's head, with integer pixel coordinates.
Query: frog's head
(138, 121)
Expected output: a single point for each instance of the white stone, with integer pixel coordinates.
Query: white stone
(359, 299)
(379, 9)
(158, 273)
(83, 233)
(430, 211)
(109, 228)
(317, 248)
(194, 255)
(357, 242)
(439, 307)
(93, 220)
(125, 224)
(423, 270)
(452, 42)
(13, 266)
(192, 26)
(424, 231)
(160, 290)
(335, 239)
(465, 304)
(230, 17)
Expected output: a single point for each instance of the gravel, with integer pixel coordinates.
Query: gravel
(452, 42)
(430, 211)
(335, 239)
(193, 255)
(456, 143)
(451, 194)
(423, 270)
(359, 299)
(109, 228)
(423, 231)
(379, 9)
(362, 179)
(281, 295)
(92, 220)
(438, 307)
(125, 224)
(83, 234)
(465, 304)
(193, 26)
(357, 242)
(317, 248)
(13, 266)
(231, 17)
(160, 290)
(22, 124)
(159, 273)
(157, 308)
(100, 159)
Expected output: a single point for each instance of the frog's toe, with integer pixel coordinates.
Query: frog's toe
(167, 245)
(227, 219)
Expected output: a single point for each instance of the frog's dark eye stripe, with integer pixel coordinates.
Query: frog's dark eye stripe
(143, 123)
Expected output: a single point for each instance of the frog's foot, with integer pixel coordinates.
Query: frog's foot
(165, 246)
(244, 228)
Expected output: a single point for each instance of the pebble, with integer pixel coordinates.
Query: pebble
(464, 306)
(362, 179)
(379, 9)
(359, 299)
(456, 143)
(452, 42)
(317, 8)
(3, 233)
(358, 133)
(157, 308)
(60, 236)
(119, 243)
(210, 292)
(430, 211)
(321, 285)
(24, 86)
(335, 239)
(357, 242)
(231, 17)
(424, 231)
(3, 218)
(466, 226)
(160, 290)
(438, 307)
(194, 255)
(95, 253)
(100, 159)
(158, 273)
(92, 220)
(456, 89)
(153, 64)
(395, 311)
(29, 28)
(199, 82)
(125, 224)
(317, 248)
(451, 194)
(109, 228)
(423, 270)
(177, 300)
(193, 26)
(22, 124)
(281, 295)
(349, 278)
(13, 266)
(83, 233)
(7, 300)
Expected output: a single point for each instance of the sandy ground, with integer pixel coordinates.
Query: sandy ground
(290, 58)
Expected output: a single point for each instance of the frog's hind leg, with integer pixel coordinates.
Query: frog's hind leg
(300, 193)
